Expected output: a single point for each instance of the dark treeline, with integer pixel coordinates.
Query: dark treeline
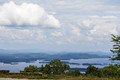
(56, 67)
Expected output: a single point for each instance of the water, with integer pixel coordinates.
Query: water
(74, 63)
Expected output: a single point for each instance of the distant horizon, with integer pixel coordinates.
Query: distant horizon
(49, 52)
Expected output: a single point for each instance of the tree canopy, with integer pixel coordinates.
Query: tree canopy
(94, 71)
(31, 68)
(55, 67)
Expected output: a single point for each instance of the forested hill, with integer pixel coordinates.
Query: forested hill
(27, 57)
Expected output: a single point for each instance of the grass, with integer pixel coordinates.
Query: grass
(21, 76)
(90, 78)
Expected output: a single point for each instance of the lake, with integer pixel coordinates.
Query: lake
(80, 64)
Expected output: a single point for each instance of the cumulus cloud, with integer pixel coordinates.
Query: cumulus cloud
(26, 14)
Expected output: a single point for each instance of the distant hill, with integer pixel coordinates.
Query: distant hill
(28, 57)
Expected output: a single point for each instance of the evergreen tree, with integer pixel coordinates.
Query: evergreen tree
(116, 47)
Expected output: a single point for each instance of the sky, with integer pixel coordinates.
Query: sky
(59, 25)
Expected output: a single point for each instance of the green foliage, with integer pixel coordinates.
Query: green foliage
(64, 68)
(116, 47)
(57, 67)
(108, 71)
(31, 68)
(42, 68)
(111, 70)
(91, 70)
(77, 73)
(47, 69)
(73, 73)
(54, 67)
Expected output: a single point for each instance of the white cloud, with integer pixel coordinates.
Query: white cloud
(87, 23)
(59, 42)
(94, 21)
(26, 14)
(57, 34)
(75, 31)
(94, 16)
(21, 34)
(90, 38)
(103, 30)
(113, 12)
(60, 2)
(109, 17)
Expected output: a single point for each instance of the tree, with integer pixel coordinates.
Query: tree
(47, 69)
(57, 67)
(54, 67)
(31, 68)
(73, 73)
(92, 70)
(116, 47)
(77, 73)
(64, 68)
(111, 70)
(42, 68)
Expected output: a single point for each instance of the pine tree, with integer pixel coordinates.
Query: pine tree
(116, 47)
